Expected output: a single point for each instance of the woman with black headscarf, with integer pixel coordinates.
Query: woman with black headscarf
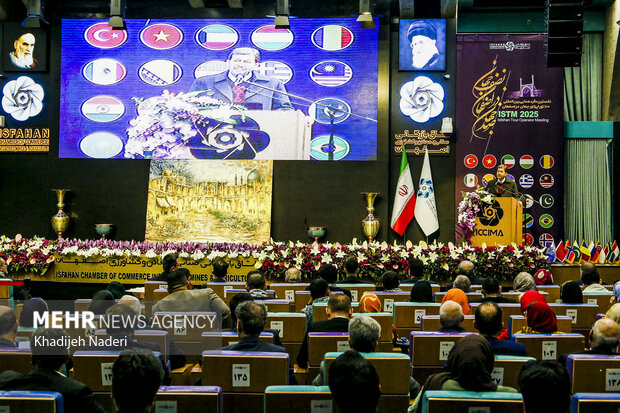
(571, 293)
(470, 364)
(421, 292)
(102, 300)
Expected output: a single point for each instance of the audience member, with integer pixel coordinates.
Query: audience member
(591, 279)
(540, 319)
(545, 386)
(528, 298)
(490, 325)
(30, 308)
(616, 297)
(241, 298)
(523, 282)
(469, 368)
(169, 264)
(462, 283)
(8, 327)
(421, 292)
(255, 283)
(329, 273)
(292, 275)
(354, 383)
(352, 272)
(251, 318)
(451, 317)
(390, 281)
(543, 277)
(133, 303)
(220, 270)
(614, 313)
(116, 289)
(339, 312)
(102, 300)
(604, 339)
(181, 299)
(492, 291)
(319, 293)
(136, 377)
(416, 270)
(369, 303)
(458, 296)
(49, 373)
(468, 269)
(571, 293)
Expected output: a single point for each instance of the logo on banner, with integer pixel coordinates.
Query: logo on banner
(332, 37)
(102, 36)
(161, 36)
(320, 148)
(490, 215)
(526, 162)
(470, 180)
(103, 108)
(471, 161)
(546, 201)
(528, 201)
(526, 181)
(547, 161)
(421, 99)
(546, 181)
(509, 161)
(329, 109)
(209, 68)
(489, 161)
(22, 98)
(425, 189)
(270, 38)
(104, 71)
(545, 238)
(529, 240)
(279, 70)
(331, 73)
(160, 72)
(217, 37)
(546, 221)
(528, 221)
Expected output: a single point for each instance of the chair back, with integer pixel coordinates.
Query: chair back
(357, 290)
(438, 297)
(583, 315)
(286, 291)
(150, 286)
(159, 337)
(600, 299)
(94, 369)
(321, 315)
(189, 399)
(432, 323)
(508, 309)
(321, 343)
(550, 346)
(215, 340)
(595, 403)
(432, 348)
(518, 322)
(389, 298)
(554, 292)
(590, 373)
(436, 401)
(182, 326)
(292, 326)
(28, 401)
(408, 316)
(299, 399)
(277, 305)
(16, 359)
(385, 321)
(507, 368)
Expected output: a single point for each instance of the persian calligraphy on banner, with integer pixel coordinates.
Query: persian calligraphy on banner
(509, 111)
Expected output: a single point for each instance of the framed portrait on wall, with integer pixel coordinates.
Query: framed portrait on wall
(422, 45)
(24, 49)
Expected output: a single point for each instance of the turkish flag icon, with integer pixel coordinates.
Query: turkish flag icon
(471, 161)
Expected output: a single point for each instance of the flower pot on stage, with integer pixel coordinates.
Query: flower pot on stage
(370, 224)
(60, 221)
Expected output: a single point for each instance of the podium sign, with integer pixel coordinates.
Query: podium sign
(499, 223)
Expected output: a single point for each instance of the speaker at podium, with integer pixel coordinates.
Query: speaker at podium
(500, 223)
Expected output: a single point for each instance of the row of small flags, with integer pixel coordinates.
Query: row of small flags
(576, 253)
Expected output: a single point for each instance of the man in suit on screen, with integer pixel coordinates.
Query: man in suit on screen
(502, 186)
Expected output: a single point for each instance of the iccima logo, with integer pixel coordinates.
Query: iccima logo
(510, 46)
(490, 215)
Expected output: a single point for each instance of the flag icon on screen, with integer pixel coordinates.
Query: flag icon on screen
(330, 110)
(331, 73)
(528, 221)
(470, 180)
(332, 37)
(104, 71)
(161, 36)
(526, 162)
(509, 161)
(102, 36)
(211, 67)
(547, 161)
(489, 161)
(279, 70)
(546, 181)
(103, 108)
(546, 221)
(270, 38)
(217, 37)
(526, 181)
(160, 72)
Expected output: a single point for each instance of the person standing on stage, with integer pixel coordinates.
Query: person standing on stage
(502, 186)
(242, 84)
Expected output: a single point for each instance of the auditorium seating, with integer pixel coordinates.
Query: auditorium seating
(243, 376)
(435, 288)
(94, 369)
(591, 373)
(389, 298)
(186, 329)
(583, 315)
(159, 337)
(506, 369)
(286, 291)
(149, 296)
(407, 316)
(277, 306)
(321, 343)
(516, 294)
(470, 296)
(432, 323)
(437, 401)
(302, 298)
(554, 292)
(76, 332)
(600, 299)
(214, 340)
(230, 293)
(357, 290)
(517, 323)
(26, 401)
(221, 288)
(298, 399)
(16, 359)
(550, 346)
(595, 403)
(320, 314)
(507, 310)
(292, 327)
(189, 399)
(385, 321)
(429, 351)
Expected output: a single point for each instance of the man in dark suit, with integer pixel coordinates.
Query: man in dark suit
(169, 264)
(339, 312)
(256, 284)
(8, 327)
(49, 356)
(329, 273)
(491, 291)
(604, 339)
(220, 270)
(136, 377)
(416, 270)
(352, 272)
(242, 85)
(354, 383)
(489, 323)
(502, 186)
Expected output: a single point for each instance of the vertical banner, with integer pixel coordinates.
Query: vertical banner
(509, 111)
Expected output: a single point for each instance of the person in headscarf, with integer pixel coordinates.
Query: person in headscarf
(543, 277)
(370, 303)
(540, 319)
(116, 289)
(32, 306)
(102, 300)
(523, 282)
(528, 298)
(458, 296)
(421, 292)
(469, 368)
(571, 293)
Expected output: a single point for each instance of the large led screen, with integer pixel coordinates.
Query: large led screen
(219, 89)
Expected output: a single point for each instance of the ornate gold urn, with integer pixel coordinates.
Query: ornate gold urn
(60, 221)
(370, 224)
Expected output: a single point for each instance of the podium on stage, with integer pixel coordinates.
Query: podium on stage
(499, 223)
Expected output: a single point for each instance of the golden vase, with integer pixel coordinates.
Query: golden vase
(370, 224)
(60, 221)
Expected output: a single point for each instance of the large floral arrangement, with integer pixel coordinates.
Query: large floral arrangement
(171, 125)
(468, 209)
(274, 258)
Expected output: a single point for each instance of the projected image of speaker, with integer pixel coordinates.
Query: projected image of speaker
(564, 20)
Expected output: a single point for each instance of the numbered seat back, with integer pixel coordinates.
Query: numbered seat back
(286, 291)
(550, 346)
(432, 323)
(277, 305)
(321, 343)
(182, 326)
(515, 295)
(244, 372)
(16, 359)
(28, 401)
(583, 315)
(215, 340)
(81, 331)
(385, 321)
(299, 399)
(518, 322)
(221, 289)
(234, 291)
(432, 348)
(408, 316)
(602, 300)
(189, 399)
(94, 369)
(292, 326)
(595, 403)
(159, 337)
(357, 290)
(591, 373)
(507, 368)
(389, 298)
(437, 401)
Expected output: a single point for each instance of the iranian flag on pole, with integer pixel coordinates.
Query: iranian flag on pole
(404, 198)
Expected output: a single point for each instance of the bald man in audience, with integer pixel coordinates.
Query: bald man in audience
(292, 275)
(490, 325)
(451, 317)
(8, 327)
(462, 283)
(604, 339)
(614, 313)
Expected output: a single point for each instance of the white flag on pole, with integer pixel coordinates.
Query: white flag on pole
(425, 207)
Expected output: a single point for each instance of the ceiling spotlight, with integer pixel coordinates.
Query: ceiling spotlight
(34, 14)
(117, 12)
(282, 13)
(365, 17)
